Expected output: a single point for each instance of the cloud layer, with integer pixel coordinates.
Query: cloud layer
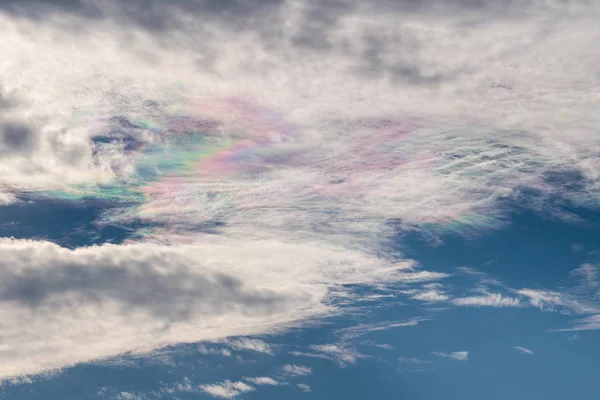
(63, 306)
(275, 156)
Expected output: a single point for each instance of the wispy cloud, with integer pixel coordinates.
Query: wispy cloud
(263, 380)
(431, 296)
(457, 355)
(130, 396)
(361, 330)
(247, 344)
(211, 351)
(341, 354)
(413, 364)
(489, 300)
(523, 350)
(590, 323)
(587, 278)
(304, 387)
(296, 370)
(227, 389)
(566, 302)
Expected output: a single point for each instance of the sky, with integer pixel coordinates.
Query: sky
(253, 199)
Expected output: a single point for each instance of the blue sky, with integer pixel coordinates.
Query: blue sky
(302, 199)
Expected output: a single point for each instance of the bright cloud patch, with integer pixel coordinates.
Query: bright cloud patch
(227, 389)
(263, 380)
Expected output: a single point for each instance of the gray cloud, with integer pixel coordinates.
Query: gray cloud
(17, 137)
(315, 24)
(135, 283)
(7, 99)
(151, 14)
(167, 297)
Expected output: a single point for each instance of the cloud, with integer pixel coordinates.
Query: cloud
(311, 355)
(548, 300)
(210, 351)
(341, 354)
(16, 137)
(304, 387)
(227, 389)
(255, 345)
(361, 330)
(413, 360)
(61, 307)
(296, 370)
(587, 277)
(523, 350)
(130, 396)
(590, 323)
(413, 364)
(457, 355)
(263, 380)
(300, 54)
(280, 158)
(489, 300)
(430, 296)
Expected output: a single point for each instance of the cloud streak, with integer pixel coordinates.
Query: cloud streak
(523, 350)
(296, 370)
(457, 355)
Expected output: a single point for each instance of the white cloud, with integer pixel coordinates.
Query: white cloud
(457, 355)
(523, 350)
(256, 345)
(303, 157)
(548, 300)
(211, 351)
(363, 329)
(543, 299)
(311, 355)
(296, 370)
(587, 277)
(62, 307)
(130, 396)
(431, 296)
(304, 387)
(227, 389)
(478, 134)
(341, 354)
(591, 323)
(263, 380)
(489, 300)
